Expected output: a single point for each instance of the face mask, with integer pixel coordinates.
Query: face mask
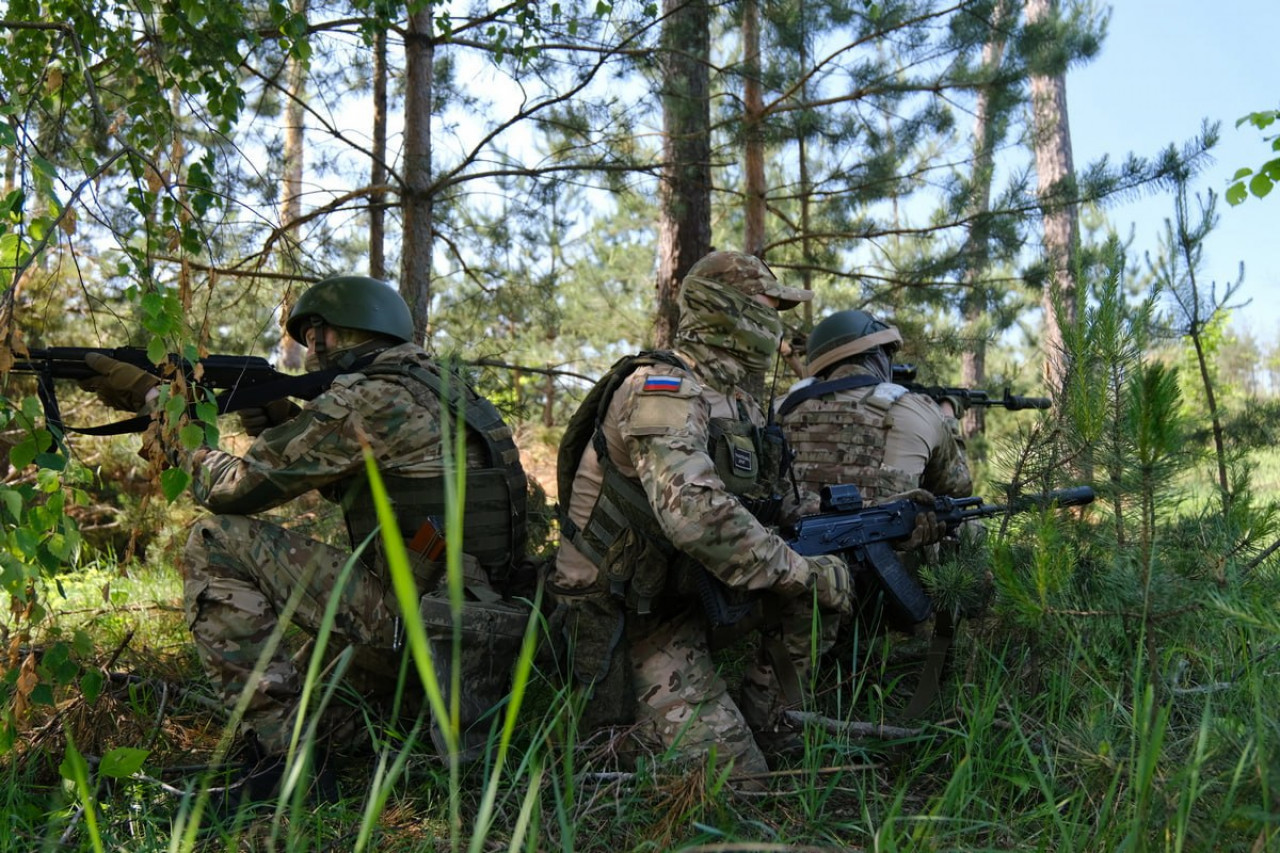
(723, 317)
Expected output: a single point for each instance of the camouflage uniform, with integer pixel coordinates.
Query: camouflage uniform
(660, 433)
(240, 572)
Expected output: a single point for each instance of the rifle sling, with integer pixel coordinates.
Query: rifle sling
(821, 389)
(306, 386)
(930, 683)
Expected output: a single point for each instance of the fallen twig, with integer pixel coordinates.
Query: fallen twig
(853, 727)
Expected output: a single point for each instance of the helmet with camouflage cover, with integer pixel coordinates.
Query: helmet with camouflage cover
(352, 302)
(845, 334)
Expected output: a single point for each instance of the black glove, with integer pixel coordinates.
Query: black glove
(258, 418)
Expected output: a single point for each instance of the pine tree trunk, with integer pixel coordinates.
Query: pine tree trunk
(1054, 166)
(753, 154)
(684, 233)
(973, 361)
(415, 265)
(377, 166)
(292, 354)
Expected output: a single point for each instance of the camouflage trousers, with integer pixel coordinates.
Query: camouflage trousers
(239, 574)
(684, 705)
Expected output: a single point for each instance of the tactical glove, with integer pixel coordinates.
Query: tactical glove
(830, 577)
(957, 405)
(257, 418)
(118, 384)
(928, 529)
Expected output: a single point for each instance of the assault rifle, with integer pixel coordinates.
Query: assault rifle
(244, 381)
(863, 535)
(905, 374)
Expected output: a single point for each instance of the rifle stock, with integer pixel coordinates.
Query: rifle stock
(864, 535)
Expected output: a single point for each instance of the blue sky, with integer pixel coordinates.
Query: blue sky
(1165, 66)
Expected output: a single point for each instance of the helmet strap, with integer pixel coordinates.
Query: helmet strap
(318, 345)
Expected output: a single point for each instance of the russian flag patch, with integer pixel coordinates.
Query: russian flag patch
(665, 384)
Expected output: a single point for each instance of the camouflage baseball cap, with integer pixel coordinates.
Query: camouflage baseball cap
(750, 275)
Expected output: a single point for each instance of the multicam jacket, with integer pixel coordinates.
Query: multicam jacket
(658, 431)
(381, 407)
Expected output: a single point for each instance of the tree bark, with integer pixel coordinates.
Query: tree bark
(292, 354)
(378, 164)
(415, 263)
(753, 118)
(1054, 167)
(973, 360)
(684, 232)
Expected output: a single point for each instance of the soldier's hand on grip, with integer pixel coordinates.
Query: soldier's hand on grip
(928, 529)
(118, 384)
(257, 418)
(831, 579)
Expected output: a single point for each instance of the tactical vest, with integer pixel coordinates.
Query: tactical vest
(493, 516)
(621, 536)
(836, 441)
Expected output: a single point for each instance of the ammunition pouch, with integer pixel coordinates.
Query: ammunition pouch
(750, 461)
(591, 630)
(635, 567)
(489, 637)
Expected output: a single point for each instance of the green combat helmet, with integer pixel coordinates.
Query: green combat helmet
(845, 334)
(352, 302)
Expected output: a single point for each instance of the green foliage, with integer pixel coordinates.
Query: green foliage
(1266, 176)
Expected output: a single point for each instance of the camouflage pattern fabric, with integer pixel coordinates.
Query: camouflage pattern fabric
(885, 448)
(657, 431)
(683, 705)
(239, 572)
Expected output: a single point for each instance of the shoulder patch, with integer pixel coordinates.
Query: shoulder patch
(660, 403)
(662, 385)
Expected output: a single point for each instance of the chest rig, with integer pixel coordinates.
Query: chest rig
(622, 536)
(838, 441)
(494, 514)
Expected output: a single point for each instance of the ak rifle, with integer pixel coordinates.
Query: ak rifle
(864, 536)
(905, 374)
(241, 381)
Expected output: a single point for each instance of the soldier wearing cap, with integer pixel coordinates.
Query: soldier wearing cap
(386, 397)
(665, 530)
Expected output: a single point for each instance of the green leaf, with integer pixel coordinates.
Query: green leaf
(207, 412)
(173, 482)
(23, 453)
(73, 766)
(11, 247)
(1236, 194)
(1260, 185)
(156, 350)
(43, 166)
(91, 686)
(1242, 172)
(191, 436)
(122, 762)
(12, 503)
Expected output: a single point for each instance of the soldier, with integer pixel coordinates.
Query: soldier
(849, 423)
(388, 398)
(666, 498)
